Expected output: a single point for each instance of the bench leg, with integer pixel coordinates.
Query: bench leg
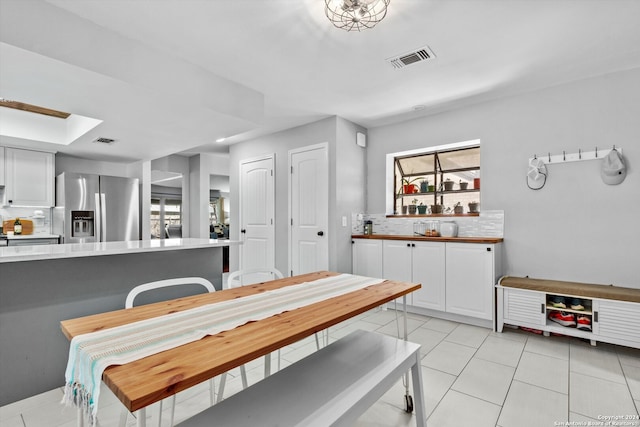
(418, 402)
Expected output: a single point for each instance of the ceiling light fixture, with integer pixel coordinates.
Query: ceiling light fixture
(220, 140)
(355, 15)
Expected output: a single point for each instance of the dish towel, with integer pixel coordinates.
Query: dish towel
(90, 354)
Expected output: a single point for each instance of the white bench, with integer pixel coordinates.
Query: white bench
(331, 387)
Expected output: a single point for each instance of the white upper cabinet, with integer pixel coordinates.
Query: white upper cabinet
(2, 180)
(29, 178)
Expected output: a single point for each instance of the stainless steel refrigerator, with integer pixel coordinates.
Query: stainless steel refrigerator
(96, 208)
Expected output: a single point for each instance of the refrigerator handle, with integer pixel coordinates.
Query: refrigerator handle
(103, 216)
(98, 223)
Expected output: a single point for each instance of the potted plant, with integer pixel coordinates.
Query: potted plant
(448, 185)
(412, 207)
(473, 207)
(436, 209)
(463, 185)
(422, 209)
(404, 209)
(408, 186)
(424, 186)
(458, 209)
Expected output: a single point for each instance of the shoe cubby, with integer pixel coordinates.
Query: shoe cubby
(602, 318)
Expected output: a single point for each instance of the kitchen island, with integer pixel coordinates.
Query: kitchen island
(43, 285)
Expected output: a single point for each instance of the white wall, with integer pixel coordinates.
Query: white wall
(346, 172)
(576, 228)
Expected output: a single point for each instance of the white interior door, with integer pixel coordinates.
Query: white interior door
(309, 209)
(257, 214)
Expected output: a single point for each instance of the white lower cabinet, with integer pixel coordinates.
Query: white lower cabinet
(616, 322)
(428, 268)
(457, 278)
(471, 276)
(417, 262)
(367, 257)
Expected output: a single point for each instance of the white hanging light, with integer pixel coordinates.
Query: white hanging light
(355, 15)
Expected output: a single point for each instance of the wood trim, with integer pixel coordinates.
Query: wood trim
(148, 380)
(33, 109)
(483, 240)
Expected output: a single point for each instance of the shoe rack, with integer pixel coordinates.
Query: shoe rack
(612, 321)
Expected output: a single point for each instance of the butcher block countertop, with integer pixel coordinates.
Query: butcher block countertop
(482, 240)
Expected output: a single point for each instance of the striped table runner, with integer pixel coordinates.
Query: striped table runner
(90, 354)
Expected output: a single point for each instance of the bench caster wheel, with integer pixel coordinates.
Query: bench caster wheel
(408, 403)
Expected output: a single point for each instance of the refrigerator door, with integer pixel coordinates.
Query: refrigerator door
(120, 209)
(74, 192)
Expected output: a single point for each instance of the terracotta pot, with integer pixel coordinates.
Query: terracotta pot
(464, 185)
(448, 185)
(458, 209)
(409, 188)
(436, 209)
(412, 209)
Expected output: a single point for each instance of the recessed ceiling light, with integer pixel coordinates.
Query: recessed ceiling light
(418, 107)
(220, 139)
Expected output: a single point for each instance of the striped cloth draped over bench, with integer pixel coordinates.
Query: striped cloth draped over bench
(90, 354)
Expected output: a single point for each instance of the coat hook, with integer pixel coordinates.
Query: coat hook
(549, 157)
(564, 156)
(580, 153)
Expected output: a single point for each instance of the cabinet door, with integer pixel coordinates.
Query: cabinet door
(2, 166)
(428, 259)
(396, 263)
(619, 320)
(367, 257)
(522, 307)
(29, 178)
(470, 277)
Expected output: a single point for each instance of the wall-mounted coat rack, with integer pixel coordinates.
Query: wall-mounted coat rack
(580, 156)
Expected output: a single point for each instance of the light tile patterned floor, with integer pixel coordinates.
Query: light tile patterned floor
(472, 377)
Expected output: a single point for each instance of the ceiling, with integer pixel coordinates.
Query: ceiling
(173, 76)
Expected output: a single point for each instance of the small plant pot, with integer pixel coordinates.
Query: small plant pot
(436, 209)
(458, 209)
(464, 185)
(404, 210)
(424, 187)
(448, 185)
(409, 188)
(422, 209)
(412, 209)
(431, 188)
(473, 207)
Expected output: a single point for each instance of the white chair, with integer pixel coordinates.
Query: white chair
(181, 281)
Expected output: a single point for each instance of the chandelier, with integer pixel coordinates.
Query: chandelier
(352, 15)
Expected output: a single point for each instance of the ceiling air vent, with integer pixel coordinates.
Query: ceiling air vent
(104, 140)
(418, 55)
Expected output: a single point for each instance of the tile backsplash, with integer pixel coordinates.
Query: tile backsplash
(7, 213)
(488, 224)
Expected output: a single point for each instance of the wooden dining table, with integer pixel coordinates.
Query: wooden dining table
(148, 380)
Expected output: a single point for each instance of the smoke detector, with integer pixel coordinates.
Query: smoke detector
(418, 55)
(106, 141)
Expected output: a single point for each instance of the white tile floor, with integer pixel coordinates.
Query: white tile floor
(472, 377)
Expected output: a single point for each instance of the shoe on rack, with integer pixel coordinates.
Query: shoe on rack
(576, 304)
(584, 323)
(557, 301)
(565, 319)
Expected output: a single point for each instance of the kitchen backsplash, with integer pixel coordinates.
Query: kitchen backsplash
(7, 213)
(488, 224)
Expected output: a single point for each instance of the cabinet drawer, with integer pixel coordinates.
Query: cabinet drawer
(524, 306)
(619, 319)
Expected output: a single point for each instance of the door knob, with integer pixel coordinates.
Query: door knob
(320, 233)
(243, 231)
